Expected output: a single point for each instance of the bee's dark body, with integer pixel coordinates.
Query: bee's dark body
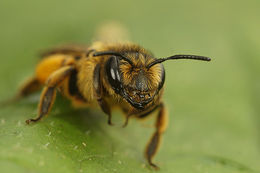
(73, 88)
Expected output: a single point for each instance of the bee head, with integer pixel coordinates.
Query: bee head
(138, 78)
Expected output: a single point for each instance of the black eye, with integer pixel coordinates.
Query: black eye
(162, 78)
(113, 75)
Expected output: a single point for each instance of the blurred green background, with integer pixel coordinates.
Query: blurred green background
(214, 107)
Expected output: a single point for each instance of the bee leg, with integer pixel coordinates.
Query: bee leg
(47, 99)
(105, 108)
(153, 144)
(30, 86)
(98, 94)
(131, 113)
(126, 120)
(48, 94)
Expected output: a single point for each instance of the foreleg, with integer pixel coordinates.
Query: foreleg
(153, 144)
(99, 94)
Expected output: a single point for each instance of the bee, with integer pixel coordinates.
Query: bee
(105, 75)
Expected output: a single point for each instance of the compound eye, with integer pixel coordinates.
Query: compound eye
(113, 75)
(162, 78)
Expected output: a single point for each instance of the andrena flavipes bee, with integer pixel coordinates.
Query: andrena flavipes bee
(106, 75)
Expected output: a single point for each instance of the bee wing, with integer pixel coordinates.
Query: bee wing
(71, 49)
(111, 32)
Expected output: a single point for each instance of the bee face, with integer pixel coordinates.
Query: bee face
(135, 83)
(137, 76)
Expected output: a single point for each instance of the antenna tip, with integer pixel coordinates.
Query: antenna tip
(204, 58)
(208, 59)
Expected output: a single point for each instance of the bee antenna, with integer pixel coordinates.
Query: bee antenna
(114, 53)
(194, 57)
